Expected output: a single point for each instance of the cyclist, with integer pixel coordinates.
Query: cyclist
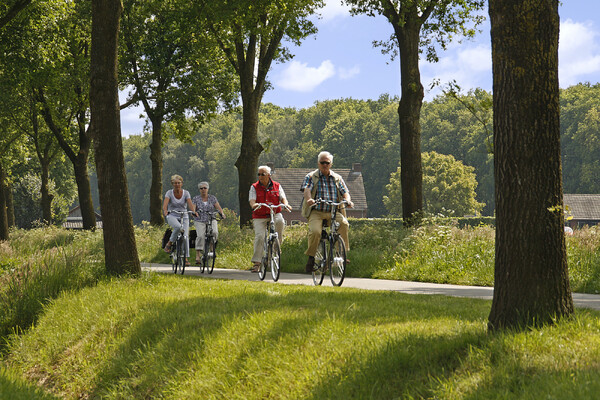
(265, 190)
(178, 199)
(325, 184)
(205, 204)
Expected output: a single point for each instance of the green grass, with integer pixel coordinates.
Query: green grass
(189, 338)
(15, 387)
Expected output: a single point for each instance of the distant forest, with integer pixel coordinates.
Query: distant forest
(364, 131)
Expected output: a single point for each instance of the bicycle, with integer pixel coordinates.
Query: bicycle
(210, 246)
(177, 254)
(272, 248)
(331, 252)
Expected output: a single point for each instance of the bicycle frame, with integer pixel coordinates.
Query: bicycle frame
(209, 254)
(271, 251)
(331, 252)
(178, 249)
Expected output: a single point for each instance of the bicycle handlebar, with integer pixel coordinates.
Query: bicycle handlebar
(271, 206)
(329, 202)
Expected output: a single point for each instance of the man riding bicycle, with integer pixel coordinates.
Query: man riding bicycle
(265, 190)
(325, 184)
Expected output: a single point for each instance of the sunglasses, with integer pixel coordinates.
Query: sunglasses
(324, 162)
(204, 188)
(262, 174)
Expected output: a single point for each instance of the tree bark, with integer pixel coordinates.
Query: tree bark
(156, 215)
(247, 162)
(409, 113)
(531, 279)
(120, 251)
(3, 215)
(10, 205)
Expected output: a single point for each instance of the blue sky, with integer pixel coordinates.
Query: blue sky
(340, 61)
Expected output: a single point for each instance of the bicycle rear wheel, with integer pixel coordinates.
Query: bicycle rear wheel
(181, 255)
(209, 255)
(337, 263)
(275, 259)
(320, 263)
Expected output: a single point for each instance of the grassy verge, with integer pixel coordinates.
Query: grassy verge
(174, 338)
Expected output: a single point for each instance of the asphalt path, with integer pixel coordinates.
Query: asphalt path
(477, 292)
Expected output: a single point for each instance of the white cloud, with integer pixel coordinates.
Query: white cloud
(469, 66)
(347, 73)
(300, 77)
(578, 52)
(334, 9)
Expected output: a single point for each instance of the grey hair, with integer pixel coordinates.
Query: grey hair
(266, 168)
(203, 183)
(325, 154)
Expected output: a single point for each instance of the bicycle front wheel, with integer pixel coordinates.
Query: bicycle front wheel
(320, 263)
(275, 259)
(337, 262)
(180, 256)
(173, 256)
(209, 255)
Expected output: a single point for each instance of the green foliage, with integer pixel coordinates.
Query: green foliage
(448, 187)
(450, 127)
(580, 139)
(445, 254)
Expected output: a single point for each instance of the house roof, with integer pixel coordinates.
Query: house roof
(583, 206)
(291, 180)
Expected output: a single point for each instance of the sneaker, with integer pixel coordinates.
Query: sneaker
(310, 264)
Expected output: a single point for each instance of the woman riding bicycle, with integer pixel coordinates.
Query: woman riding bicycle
(205, 205)
(180, 201)
(265, 190)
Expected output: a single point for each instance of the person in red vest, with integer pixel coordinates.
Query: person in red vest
(265, 190)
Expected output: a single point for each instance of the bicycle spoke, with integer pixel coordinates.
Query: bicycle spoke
(338, 261)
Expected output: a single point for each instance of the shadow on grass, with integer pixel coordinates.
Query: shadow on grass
(262, 340)
(16, 389)
(164, 347)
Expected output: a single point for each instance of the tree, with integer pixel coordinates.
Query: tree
(175, 69)
(531, 285)
(418, 25)
(249, 33)
(458, 128)
(120, 251)
(448, 187)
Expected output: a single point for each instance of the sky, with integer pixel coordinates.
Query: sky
(341, 62)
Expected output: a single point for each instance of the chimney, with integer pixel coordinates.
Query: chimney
(356, 167)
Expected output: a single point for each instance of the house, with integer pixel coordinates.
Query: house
(74, 220)
(584, 209)
(291, 181)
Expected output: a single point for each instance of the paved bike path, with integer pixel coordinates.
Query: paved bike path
(479, 292)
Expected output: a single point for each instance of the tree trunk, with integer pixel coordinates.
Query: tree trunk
(46, 195)
(120, 251)
(3, 215)
(10, 205)
(86, 205)
(409, 113)
(156, 215)
(247, 162)
(531, 278)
